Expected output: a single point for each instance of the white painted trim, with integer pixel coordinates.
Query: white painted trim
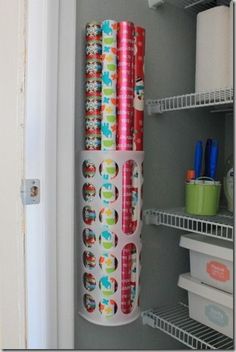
(50, 157)
(12, 246)
(41, 162)
(65, 172)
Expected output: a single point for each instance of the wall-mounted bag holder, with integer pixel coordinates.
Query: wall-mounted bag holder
(107, 283)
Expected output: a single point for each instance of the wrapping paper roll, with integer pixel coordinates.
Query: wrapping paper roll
(133, 278)
(93, 86)
(93, 132)
(125, 85)
(138, 114)
(125, 113)
(139, 88)
(109, 82)
(212, 50)
(127, 198)
(126, 279)
(135, 197)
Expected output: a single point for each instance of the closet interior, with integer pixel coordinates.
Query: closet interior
(181, 109)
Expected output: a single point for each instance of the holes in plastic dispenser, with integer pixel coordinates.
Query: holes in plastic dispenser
(89, 237)
(108, 216)
(89, 260)
(108, 307)
(89, 282)
(108, 239)
(89, 192)
(108, 169)
(128, 278)
(108, 286)
(88, 169)
(108, 193)
(108, 263)
(89, 215)
(130, 197)
(89, 303)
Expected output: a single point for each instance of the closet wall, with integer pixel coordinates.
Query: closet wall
(169, 148)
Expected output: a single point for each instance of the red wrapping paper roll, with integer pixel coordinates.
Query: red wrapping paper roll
(125, 88)
(139, 88)
(126, 279)
(138, 106)
(127, 197)
(125, 85)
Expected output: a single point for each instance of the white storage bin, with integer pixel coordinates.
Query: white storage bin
(211, 260)
(209, 305)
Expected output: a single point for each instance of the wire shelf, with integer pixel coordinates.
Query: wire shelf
(191, 101)
(219, 226)
(192, 6)
(175, 321)
(196, 6)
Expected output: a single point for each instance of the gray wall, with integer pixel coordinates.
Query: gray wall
(229, 135)
(169, 146)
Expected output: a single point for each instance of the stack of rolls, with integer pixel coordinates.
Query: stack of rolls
(114, 119)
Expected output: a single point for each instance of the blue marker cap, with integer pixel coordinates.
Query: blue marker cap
(198, 159)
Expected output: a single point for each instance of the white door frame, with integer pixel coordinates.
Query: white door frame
(40, 163)
(13, 327)
(65, 173)
(49, 151)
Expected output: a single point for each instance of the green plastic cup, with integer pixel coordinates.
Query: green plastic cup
(202, 196)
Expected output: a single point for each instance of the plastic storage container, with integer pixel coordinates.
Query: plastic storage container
(229, 183)
(211, 260)
(103, 241)
(202, 197)
(209, 305)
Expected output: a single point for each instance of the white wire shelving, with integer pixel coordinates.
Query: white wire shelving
(219, 226)
(196, 6)
(192, 6)
(175, 321)
(220, 97)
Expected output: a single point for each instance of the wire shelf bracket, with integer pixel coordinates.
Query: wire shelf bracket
(154, 4)
(175, 321)
(218, 97)
(219, 226)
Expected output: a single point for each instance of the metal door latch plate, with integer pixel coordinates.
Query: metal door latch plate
(30, 191)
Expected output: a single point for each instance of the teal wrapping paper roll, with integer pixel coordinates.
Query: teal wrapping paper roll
(109, 82)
